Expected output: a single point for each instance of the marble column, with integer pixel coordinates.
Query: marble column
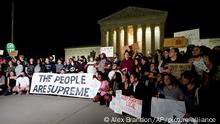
(135, 33)
(162, 27)
(103, 39)
(118, 47)
(152, 27)
(111, 37)
(143, 26)
(125, 35)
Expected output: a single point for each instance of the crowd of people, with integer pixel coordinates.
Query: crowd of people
(138, 76)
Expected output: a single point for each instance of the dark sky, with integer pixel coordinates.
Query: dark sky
(47, 27)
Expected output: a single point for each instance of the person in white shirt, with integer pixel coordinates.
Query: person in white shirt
(114, 69)
(91, 66)
(22, 84)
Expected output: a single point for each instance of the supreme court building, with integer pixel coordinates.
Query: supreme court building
(134, 25)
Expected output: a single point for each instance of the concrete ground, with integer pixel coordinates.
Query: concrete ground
(45, 109)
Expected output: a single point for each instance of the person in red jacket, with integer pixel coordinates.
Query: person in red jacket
(128, 63)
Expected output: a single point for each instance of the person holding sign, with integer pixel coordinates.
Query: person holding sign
(174, 57)
(201, 64)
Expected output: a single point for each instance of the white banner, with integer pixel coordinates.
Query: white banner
(107, 50)
(75, 85)
(167, 109)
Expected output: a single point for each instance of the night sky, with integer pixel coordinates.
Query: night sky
(43, 28)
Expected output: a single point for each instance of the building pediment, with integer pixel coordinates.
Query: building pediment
(133, 13)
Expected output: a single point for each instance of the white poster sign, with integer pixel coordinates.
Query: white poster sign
(166, 108)
(191, 35)
(75, 85)
(109, 51)
(131, 106)
(126, 104)
(1, 52)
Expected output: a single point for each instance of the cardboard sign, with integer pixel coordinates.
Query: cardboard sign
(175, 42)
(14, 53)
(178, 68)
(123, 49)
(135, 46)
(75, 85)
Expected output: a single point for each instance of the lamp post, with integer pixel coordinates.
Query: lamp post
(12, 22)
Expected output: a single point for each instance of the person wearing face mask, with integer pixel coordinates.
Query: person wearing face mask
(22, 84)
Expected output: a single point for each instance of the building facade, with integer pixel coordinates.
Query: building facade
(134, 25)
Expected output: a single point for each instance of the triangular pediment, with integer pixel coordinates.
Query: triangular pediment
(133, 12)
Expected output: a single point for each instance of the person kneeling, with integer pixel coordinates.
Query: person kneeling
(102, 96)
(22, 84)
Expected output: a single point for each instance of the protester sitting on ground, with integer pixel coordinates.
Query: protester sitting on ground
(11, 81)
(126, 85)
(114, 69)
(102, 96)
(116, 82)
(22, 84)
(2, 83)
(159, 85)
(172, 90)
(138, 88)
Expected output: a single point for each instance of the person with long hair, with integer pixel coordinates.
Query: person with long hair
(116, 82)
(11, 81)
(102, 96)
(172, 90)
